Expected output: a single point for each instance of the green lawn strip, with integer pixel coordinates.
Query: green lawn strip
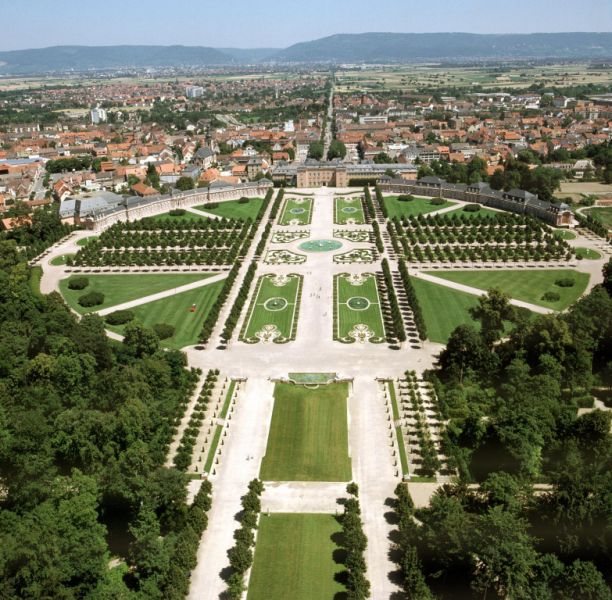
(234, 209)
(587, 253)
(118, 289)
(398, 430)
(294, 558)
(341, 216)
(443, 308)
(401, 449)
(482, 212)
(601, 213)
(528, 286)
(303, 217)
(418, 206)
(228, 399)
(34, 280)
(213, 449)
(308, 439)
(60, 261)
(260, 313)
(176, 311)
(347, 317)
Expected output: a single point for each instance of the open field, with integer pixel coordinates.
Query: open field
(601, 213)
(118, 289)
(577, 189)
(528, 286)
(444, 309)
(175, 311)
(418, 206)
(346, 209)
(494, 77)
(234, 209)
(274, 310)
(308, 439)
(296, 211)
(294, 558)
(357, 305)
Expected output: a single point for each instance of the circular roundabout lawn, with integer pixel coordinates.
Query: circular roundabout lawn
(275, 304)
(358, 303)
(320, 245)
(60, 261)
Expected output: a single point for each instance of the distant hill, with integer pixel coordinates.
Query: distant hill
(341, 48)
(83, 58)
(411, 47)
(250, 55)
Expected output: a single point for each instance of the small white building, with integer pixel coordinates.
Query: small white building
(98, 115)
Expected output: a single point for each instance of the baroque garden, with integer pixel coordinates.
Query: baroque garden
(311, 320)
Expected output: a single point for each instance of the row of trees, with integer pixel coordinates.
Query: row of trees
(241, 298)
(354, 542)
(396, 313)
(241, 553)
(184, 453)
(413, 300)
(369, 205)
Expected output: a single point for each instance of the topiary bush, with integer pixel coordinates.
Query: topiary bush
(91, 299)
(551, 297)
(243, 200)
(437, 201)
(163, 330)
(405, 198)
(78, 283)
(565, 282)
(471, 208)
(177, 212)
(120, 317)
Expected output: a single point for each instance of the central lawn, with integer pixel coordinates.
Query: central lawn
(294, 558)
(482, 212)
(308, 439)
(347, 317)
(528, 286)
(118, 289)
(443, 309)
(175, 311)
(601, 213)
(273, 305)
(418, 206)
(235, 210)
(296, 204)
(354, 210)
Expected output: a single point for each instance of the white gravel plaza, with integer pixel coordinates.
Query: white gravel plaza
(374, 463)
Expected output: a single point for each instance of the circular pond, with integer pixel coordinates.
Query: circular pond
(275, 304)
(320, 245)
(358, 303)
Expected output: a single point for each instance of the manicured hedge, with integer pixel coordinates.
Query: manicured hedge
(78, 283)
(120, 317)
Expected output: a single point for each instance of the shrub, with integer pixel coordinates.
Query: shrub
(243, 200)
(437, 201)
(91, 299)
(163, 330)
(212, 205)
(551, 297)
(405, 198)
(565, 282)
(471, 208)
(78, 283)
(120, 317)
(177, 212)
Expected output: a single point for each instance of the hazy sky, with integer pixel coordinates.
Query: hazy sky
(278, 23)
